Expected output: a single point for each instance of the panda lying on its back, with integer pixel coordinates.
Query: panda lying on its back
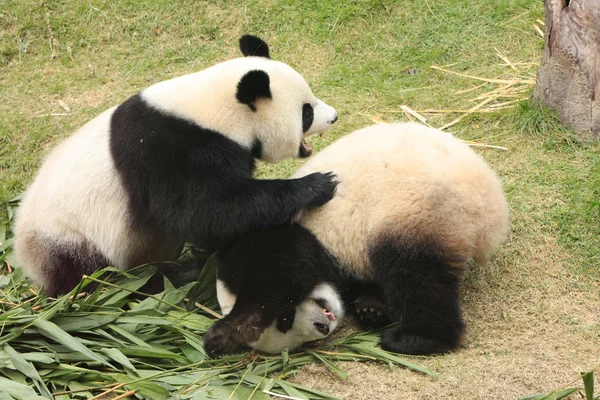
(413, 206)
(173, 164)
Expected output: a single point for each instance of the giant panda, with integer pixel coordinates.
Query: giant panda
(413, 207)
(173, 164)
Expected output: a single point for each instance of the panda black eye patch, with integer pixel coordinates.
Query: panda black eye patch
(308, 116)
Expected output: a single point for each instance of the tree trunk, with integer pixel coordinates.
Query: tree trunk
(568, 81)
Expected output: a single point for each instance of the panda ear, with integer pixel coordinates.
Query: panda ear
(253, 46)
(254, 85)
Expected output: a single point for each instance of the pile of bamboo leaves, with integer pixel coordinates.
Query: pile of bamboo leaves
(109, 339)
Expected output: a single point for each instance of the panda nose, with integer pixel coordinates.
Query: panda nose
(335, 119)
(322, 328)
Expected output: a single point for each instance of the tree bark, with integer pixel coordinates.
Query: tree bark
(568, 81)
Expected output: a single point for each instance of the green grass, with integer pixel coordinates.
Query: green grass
(93, 55)
(362, 57)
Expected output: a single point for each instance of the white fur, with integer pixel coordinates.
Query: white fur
(323, 117)
(303, 330)
(78, 197)
(225, 297)
(277, 122)
(410, 179)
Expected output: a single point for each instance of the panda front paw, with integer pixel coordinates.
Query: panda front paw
(321, 187)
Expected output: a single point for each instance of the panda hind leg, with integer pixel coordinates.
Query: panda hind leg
(422, 295)
(66, 263)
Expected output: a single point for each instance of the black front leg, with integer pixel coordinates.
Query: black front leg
(237, 207)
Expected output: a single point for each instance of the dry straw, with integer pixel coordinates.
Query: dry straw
(508, 89)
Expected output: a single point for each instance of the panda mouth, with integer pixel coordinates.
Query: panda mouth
(330, 316)
(305, 149)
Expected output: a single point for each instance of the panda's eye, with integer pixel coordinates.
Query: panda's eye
(307, 116)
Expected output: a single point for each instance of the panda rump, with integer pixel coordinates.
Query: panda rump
(413, 206)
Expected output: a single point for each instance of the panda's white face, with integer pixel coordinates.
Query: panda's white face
(315, 318)
(262, 104)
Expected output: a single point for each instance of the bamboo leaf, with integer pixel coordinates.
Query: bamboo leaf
(143, 320)
(81, 390)
(148, 390)
(26, 368)
(4, 396)
(14, 375)
(588, 384)
(213, 392)
(54, 332)
(564, 393)
(44, 358)
(285, 357)
(119, 357)
(5, 245)
(190, 320)
(244, 393)
(314, 392)
(77, 322)
(128, 336)
(17, 390)
(151, 352)
(382, 354)
(334, 368)
(291, 391)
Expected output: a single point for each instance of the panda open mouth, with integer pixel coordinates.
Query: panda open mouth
(330, 316)
(305, 149)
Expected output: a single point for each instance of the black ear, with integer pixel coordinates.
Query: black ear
(253, 46)
(254, 85)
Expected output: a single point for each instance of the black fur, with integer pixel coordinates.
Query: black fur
(272, 272)
(196, 185)
(422, 293)
(252, 86)
(67, 264)
(308, 116)
(253, 46)
(257, 149)
(370, 310)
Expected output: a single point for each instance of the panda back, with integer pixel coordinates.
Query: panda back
(410, 181)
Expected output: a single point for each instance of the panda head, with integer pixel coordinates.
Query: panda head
(282, 102)
(262, 104)
(314, 318)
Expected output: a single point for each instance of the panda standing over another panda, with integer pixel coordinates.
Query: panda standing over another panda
(413, 207)
(173, 164)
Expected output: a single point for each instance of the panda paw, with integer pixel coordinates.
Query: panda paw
(371, 311)
(321, 187)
